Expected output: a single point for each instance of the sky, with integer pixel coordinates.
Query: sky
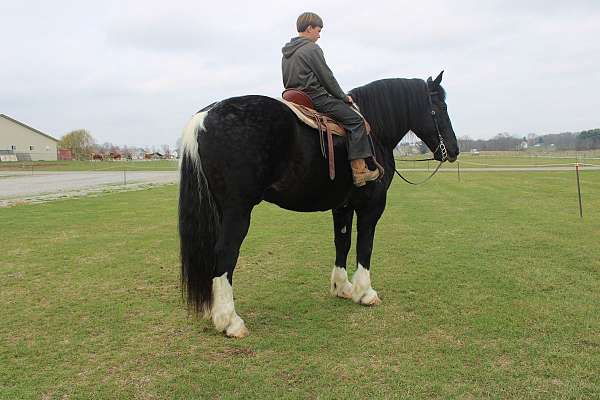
(134, 72)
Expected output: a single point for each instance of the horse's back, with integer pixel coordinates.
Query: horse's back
(252, 108)
(253, 147)
(244, 144)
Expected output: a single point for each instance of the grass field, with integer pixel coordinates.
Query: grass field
(490, 289)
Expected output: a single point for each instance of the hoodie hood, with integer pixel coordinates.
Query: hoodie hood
(290, 48)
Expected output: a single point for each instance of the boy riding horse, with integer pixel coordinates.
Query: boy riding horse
(304, 68)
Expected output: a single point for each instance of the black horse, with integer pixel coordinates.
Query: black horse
(243, 150)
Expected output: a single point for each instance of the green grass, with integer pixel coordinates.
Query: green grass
(141, 165)
(490, 289)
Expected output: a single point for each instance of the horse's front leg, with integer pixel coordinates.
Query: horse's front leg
(342, 227)
(362, 292)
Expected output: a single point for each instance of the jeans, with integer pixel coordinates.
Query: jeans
(357, 139)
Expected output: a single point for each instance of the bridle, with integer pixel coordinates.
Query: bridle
(441, 146)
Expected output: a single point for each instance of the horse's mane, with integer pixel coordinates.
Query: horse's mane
(386, 103)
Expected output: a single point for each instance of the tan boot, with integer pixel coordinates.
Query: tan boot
(361, 174)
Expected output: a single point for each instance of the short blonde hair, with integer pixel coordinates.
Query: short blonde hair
(308, 19)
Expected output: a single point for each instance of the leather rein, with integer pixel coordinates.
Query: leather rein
(441, 146)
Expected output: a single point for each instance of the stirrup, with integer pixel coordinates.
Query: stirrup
(379, 167)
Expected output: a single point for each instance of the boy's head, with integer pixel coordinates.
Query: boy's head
(309, 25)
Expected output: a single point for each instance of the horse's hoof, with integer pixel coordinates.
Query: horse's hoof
(239, 334)
(237, 329)
(370, 299)
(340, 287)
(343, 294)
(346, 296)
(375, 301)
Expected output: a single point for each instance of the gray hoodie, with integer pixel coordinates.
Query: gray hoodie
(304, 67)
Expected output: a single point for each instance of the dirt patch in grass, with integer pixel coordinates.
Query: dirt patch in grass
(231, 352)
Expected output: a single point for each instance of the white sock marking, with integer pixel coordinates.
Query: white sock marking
(340, 286)
(362, 292)
(223, 312)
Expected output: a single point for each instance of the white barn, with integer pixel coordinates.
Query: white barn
(24, 142)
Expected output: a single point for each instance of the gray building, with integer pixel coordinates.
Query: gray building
(25, 142)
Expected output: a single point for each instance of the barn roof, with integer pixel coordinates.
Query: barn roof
(28, 127)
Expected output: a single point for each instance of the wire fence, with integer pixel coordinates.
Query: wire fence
(498, 162)
(535, 165)
(507, 164)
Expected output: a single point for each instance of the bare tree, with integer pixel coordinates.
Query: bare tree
(81, 143)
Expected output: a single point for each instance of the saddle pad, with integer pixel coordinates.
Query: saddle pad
(306, 115)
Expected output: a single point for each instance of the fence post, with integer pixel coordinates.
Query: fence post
(579, 190)
(458, 168)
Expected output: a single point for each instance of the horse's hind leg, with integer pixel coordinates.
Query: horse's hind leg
(234, 228)
(342, 227)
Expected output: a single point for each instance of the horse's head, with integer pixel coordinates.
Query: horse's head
(434, 126)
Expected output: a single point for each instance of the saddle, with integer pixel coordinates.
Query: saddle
(303, 107)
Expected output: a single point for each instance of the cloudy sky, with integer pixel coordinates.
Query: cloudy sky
(133, 72)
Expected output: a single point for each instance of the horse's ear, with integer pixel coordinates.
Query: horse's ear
(429, 82)
(438, 80)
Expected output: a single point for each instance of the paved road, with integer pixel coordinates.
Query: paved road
(452, 168)
(24, 185)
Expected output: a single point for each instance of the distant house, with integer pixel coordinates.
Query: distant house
(154, 156)
(25, 142)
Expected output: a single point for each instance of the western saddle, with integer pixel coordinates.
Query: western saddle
(303, 107)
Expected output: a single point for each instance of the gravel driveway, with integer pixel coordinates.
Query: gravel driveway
(23, 186)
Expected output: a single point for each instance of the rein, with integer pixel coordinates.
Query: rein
(441, 146)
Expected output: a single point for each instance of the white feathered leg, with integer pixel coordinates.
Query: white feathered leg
(340, 286)
(362, 292)
(223, 310)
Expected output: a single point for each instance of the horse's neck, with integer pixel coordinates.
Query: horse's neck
(411, 106)
(405, 111)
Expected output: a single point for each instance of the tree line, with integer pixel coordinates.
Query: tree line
(584, 140)
(82, 145)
